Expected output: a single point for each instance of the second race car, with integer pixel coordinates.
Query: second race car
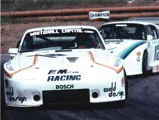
(136, 42)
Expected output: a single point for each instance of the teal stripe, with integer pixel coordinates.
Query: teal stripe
(128, 50)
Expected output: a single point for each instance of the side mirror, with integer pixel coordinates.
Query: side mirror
(13, 51)
(149, 37)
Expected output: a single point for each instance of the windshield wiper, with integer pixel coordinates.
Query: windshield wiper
(113, 40)
(29, 50)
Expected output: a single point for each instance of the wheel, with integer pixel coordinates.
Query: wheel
(145, 64)
(2, 89)
(126, 85)
(121, 104)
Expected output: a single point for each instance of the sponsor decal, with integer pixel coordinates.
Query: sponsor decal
(62, 71)
(6, 83)
(64, 87)
(43, 32)
(9, 91)
(117, 62)
(99, 15)
(112, 91)
(52, 72)
(64, 78)
(21, 99)
(120, 25)
(47, 32)
(71, 31)
(157, 67)
(156, 57)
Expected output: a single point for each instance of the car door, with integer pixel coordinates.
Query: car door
(153, 45)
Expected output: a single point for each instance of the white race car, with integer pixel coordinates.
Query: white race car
(136, 42)
(63, 64)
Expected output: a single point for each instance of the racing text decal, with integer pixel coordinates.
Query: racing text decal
(64, 78)
(156, 56)
(61, 75)
(112, 91)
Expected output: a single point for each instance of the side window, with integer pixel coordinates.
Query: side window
(154, 32)
(106, 32)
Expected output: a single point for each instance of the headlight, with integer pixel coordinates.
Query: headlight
(27, 74)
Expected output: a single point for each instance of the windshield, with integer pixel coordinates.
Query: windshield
(58, 39)
(123, 31)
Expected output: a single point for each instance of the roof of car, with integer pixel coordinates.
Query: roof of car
(61, 27)
(135, 22)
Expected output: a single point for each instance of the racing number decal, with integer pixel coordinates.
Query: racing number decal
(156, 57)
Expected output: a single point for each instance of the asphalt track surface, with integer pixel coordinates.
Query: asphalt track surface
(142, 104)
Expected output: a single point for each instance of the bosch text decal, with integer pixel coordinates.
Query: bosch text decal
(64, 87)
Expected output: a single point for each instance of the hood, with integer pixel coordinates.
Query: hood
(122, 48)
(66, 59)
(52, 66)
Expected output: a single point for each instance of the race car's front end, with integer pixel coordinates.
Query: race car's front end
(89, 81)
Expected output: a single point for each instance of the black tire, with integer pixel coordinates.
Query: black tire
(2, 89)
(121, 104)
(126, 85)
(145, 64)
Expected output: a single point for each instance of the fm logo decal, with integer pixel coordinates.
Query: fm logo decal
(61, 71)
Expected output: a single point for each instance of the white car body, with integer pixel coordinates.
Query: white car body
(136, 42)
(53, 75)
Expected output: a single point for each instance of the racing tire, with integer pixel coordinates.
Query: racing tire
(145, 64)
(3, 104)
(126, 85)
(121, 104)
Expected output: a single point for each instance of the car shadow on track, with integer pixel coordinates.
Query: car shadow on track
(97, 106)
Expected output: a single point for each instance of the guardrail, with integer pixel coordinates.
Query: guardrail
(82, 14)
